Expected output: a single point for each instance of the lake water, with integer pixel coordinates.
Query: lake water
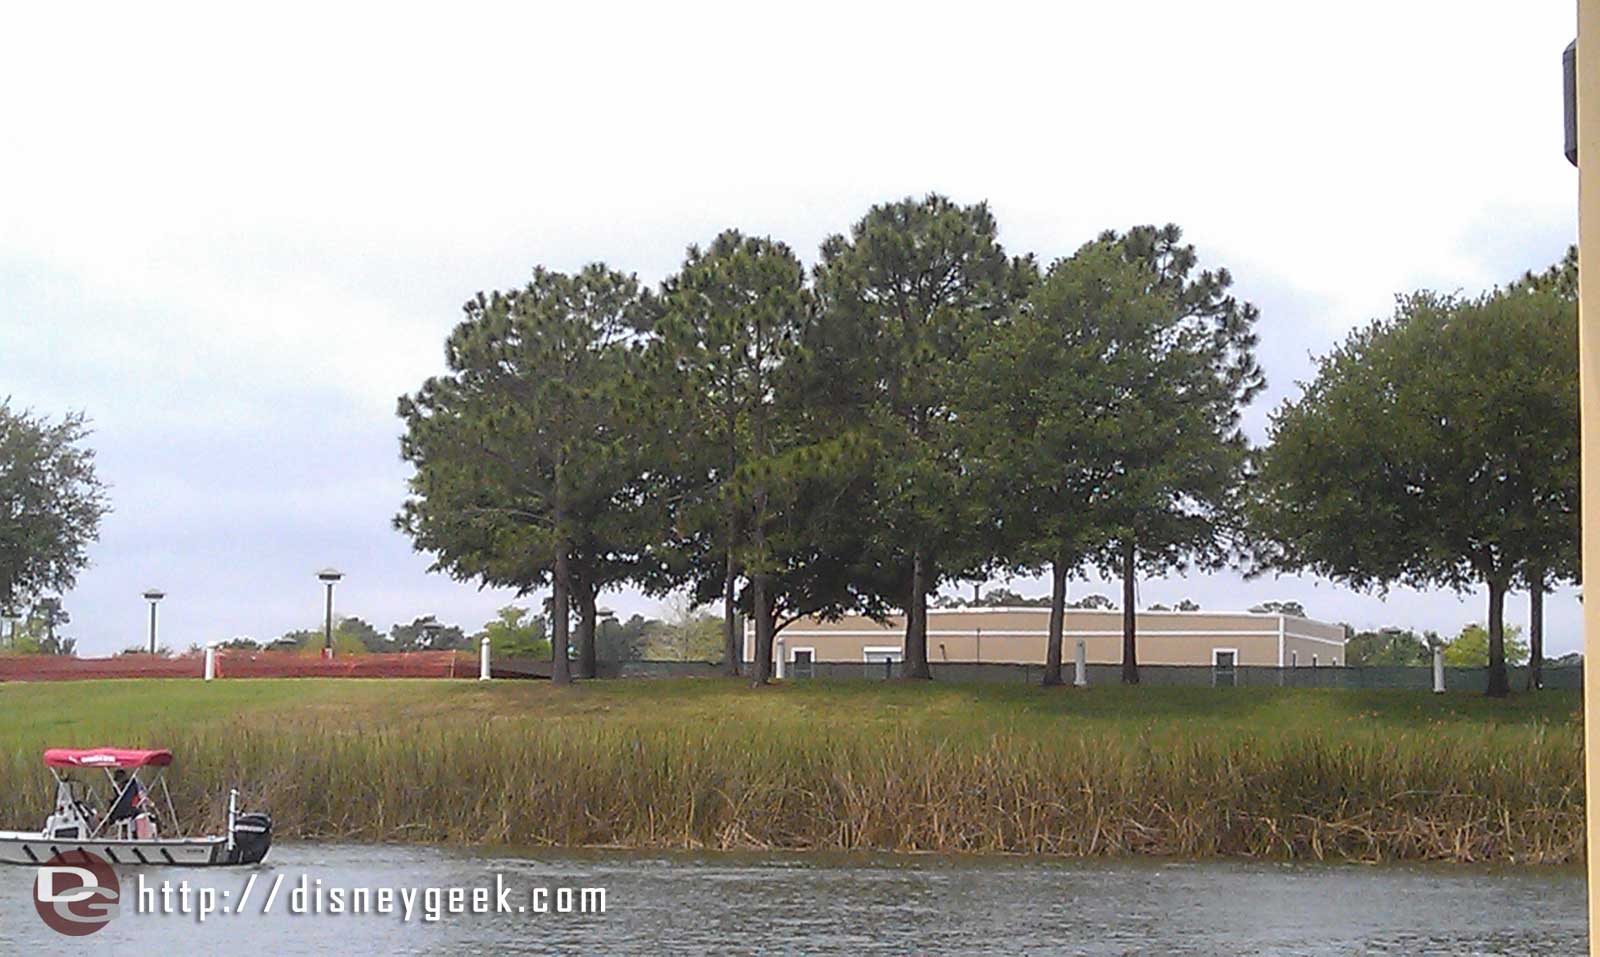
(769, 904)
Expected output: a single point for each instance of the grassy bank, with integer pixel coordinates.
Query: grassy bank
(1263, 772)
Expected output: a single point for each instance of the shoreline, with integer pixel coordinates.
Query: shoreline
(962, 860)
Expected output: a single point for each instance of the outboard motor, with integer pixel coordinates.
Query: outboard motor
(249, 835)
(252, 835)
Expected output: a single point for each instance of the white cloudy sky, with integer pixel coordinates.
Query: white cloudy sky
(233, 240)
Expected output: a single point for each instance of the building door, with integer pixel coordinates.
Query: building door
(1223, 673)
(800, 663)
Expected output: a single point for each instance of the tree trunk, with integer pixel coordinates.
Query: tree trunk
(1058, 616)
(560, 669)
(1535, 629)
(1130, 651)
(1499, 687)
(916, 656)
(584, 590)
(732, 641)
(762, 608)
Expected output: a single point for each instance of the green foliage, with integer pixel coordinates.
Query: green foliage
(51, 503)
(37, 631)
(1391, 647)
(426, 634)
(351, 636)
(903, 301)
(1470, 649)
(359, 631)
(696, 638)
(1094, 602)
(22, 643)
(1560, 280)
(761, 482)
(1183, 367)
(1040, 406)
(517, 633)
(622, 640)
(1291, 608)
(523, 454)
(994, 598)
(1436, 447)
(929, 410)
(522, 440)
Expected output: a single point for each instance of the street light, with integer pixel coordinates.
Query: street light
(153, 595)
(329, 577)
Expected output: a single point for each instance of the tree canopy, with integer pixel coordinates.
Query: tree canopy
(903, 299)
(1470, 648)
(523, 454)
(1436, 447)
(1045, 412)
(731, 346)
(924, 408)
(1393, 647)
(51, 504)
(1184, 368)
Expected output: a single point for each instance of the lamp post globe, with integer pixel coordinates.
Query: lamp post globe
(153, 595)
(329, 577)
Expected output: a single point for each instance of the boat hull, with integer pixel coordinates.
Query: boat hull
(33, 849)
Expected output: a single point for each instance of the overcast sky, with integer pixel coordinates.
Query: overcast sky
(234, 240)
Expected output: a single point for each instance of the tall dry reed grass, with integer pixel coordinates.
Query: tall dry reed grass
(1410, 796)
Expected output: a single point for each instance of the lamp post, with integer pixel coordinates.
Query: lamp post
(329, 577)
(153, 595)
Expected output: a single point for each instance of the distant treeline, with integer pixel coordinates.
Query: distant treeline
(515, 632)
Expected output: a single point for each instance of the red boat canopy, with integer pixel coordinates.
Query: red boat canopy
(106, 758)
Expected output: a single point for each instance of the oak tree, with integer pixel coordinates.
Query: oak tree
(51, 504)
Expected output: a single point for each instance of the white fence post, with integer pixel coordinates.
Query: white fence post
(211, 660)
(483, 658)
(1080, 666)
(1438, 671)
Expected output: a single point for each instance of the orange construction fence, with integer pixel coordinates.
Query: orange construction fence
(238, 663)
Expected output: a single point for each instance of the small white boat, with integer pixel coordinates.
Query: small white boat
(127, 832)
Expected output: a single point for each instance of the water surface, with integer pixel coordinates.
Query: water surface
(843, 905)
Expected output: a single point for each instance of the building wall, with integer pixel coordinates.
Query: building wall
(1018, 635)
(1314, 651)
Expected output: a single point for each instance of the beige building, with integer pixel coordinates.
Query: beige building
(1018, 636)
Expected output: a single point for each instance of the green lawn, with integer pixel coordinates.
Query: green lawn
(122, 711)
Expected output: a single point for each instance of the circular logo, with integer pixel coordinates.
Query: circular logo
(76, 893)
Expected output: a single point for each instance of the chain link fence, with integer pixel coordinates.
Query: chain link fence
(1201, 676)
(1193, 676)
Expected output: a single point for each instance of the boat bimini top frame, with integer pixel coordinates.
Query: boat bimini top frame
(111, 760)
(160, 780)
